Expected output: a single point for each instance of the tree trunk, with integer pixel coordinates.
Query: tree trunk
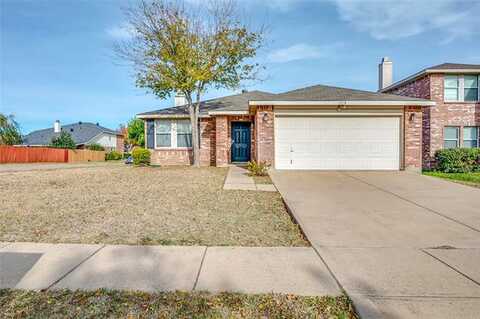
(193, 109)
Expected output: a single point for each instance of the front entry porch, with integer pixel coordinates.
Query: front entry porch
(234, 139)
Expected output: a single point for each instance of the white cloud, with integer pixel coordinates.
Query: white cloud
(303, 51)
(123, 31)
(394, 19)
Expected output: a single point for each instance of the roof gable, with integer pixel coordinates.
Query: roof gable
(440, 68)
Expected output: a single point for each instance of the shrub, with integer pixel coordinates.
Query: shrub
(95, 147)
(458, 160)
(113, 156)
(126, 155)
(258, 169)
(141, 156)
(64, 140)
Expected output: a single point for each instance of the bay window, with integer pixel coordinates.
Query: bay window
(173, 134)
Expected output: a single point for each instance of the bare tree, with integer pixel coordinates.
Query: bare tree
(175, 48)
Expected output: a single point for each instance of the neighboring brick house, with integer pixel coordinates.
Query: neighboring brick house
(454, 120)
(318, 127)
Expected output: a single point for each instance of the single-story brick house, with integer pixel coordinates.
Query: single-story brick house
(454, 120)
(82, 133)
(318, 127)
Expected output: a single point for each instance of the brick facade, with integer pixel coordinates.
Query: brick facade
(413, 137)
(443, 114)
(222, 141)
(264, 119)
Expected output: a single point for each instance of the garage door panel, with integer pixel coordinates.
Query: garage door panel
(337, 143)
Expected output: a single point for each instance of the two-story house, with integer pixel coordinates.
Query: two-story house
(454, 120)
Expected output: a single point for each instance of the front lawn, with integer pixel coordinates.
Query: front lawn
(116, 304)
(140, 205)
(472, 179)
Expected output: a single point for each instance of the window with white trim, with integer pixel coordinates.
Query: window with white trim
(471, 136)
(461, 88)
(470, 88)
(173, 134)
(184, 133)
(163, 133)
(451, 88)
(451, 137)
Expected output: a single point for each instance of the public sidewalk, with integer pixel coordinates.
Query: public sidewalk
(290, 270)
(238, 179)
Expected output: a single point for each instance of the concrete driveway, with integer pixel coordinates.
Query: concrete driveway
(402, 245)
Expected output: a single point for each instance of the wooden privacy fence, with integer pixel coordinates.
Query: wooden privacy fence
(14, 154)
(75, 156)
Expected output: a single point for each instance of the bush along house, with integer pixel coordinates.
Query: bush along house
(454, 120)
(317, 127)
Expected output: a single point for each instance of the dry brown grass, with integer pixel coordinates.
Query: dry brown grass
(140, 205)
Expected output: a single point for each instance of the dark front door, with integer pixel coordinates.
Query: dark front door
(240, 141)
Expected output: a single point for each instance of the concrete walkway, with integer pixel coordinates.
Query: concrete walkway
(238, 179)
(400, 244)
(290, 270)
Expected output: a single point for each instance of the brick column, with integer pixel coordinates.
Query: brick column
(413, 137)
(264, 134)
(221, 140)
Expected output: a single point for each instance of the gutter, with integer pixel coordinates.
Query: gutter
(167, 116)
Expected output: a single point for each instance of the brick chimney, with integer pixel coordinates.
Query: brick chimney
(385, 73)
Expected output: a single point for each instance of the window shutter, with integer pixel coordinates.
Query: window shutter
(150, 134)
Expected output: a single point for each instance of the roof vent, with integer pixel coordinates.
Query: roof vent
(80, 122)
(71, 130)
(98, 124)
(244, 91)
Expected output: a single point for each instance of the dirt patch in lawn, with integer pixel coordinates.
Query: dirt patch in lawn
(140, 205)
(117, 304)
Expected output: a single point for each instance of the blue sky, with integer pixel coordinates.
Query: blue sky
(56, 58)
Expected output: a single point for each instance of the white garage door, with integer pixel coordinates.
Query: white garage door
(337, 143)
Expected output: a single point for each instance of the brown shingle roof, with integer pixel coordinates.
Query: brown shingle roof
(332, 93)
(237, 102)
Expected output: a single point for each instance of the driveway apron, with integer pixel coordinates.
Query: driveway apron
(402, 245)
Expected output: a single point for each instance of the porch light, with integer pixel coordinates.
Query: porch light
(265, 117)
(411, 117)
